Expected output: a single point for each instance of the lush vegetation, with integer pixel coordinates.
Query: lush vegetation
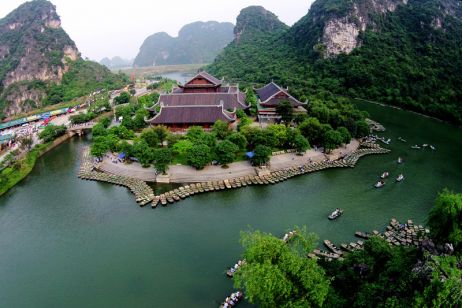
(51, 132)
(405, 57)
(381, 275)
(15, 170)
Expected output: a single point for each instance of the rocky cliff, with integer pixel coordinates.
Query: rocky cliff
(401, 52)
(36, 55)
(198, 42)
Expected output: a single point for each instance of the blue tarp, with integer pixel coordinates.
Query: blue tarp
(122, 155)
(250, 154)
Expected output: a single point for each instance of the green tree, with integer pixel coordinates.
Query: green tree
(99, 147)
(182, 147)
(220, 129)
(346, 137)
(332, 139)
(262, 155)
(277, 274)
(238, 139)
(161, 132)
(123, 98)
(363, 129)
(143, 152)
(445, 219)
(99, 130)
(285, 110)
(311, 130)
(51, 132)
(280, 132)
(151, 138)
(225, 152)
(300, 143)
(162, 158)
(195, 134)
(199, 156)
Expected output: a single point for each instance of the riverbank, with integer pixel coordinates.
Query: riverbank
(11, 176)
(338, 158)
(186, 174)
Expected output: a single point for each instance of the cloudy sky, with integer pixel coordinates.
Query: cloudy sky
(119, 27)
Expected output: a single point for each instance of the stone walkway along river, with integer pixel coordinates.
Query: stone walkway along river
(144, 194)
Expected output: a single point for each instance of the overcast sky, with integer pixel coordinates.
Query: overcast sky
(118, 27)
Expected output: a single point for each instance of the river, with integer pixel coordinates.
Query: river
(71, 243)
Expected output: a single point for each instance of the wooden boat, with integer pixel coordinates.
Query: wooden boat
(384, 175)
(288, 236)
(335, 214)
(416, 147)
(361, 235)
(347, 247)
(400, 178)
(230, 272)
(379, 184)
(401, 139)
(232, 300)
(400, 160)
(332, 247)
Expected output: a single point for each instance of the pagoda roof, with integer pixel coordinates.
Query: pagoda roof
(267, 95)
(192, 115)
(215, 82)
(228, 100)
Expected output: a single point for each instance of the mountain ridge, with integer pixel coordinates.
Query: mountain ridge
(400, 52)
(40, 64)
(197, 42)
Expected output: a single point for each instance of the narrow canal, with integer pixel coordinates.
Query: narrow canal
(70, 243)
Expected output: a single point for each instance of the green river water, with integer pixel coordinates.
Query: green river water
(65, 242)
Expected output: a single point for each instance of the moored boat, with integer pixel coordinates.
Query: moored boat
(384, 175)
(416, 147)
(335, 214)
(400, 160)
(288, 236)
(379, 184)
(361, 235)
(230, 273)
(400, 178)
(332, 247)
(432, 147)
(401, 139)
(232, 300)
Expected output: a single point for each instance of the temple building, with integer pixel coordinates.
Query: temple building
(270, 96)
(201, 101)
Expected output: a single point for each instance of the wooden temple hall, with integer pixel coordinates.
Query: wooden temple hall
(201, 101)
(205, 99)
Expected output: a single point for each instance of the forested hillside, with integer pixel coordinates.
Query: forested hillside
(404, 53)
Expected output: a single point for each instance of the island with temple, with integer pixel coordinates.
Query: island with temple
(207, 134)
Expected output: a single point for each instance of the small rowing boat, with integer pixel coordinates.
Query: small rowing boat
(335, 214)
(415, 147)
(379, 184)
(400, 160)
(384, 175)
(400, 178)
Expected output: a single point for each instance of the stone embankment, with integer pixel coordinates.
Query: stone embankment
(396, 233)
(144, 193)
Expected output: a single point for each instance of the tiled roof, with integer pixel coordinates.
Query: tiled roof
(229, 101)
(267, 95)
(192, 115)
(267, 91)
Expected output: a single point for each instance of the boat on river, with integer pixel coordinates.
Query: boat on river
(384, 175)
(335, 214)
(402, 139)
(288, 236)
(415, 147)
(379, 184)
(400, 178)
(400, 160)
(432, 147)
(232, 300)
(232, 270)
(362, 235)
(332, 247)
